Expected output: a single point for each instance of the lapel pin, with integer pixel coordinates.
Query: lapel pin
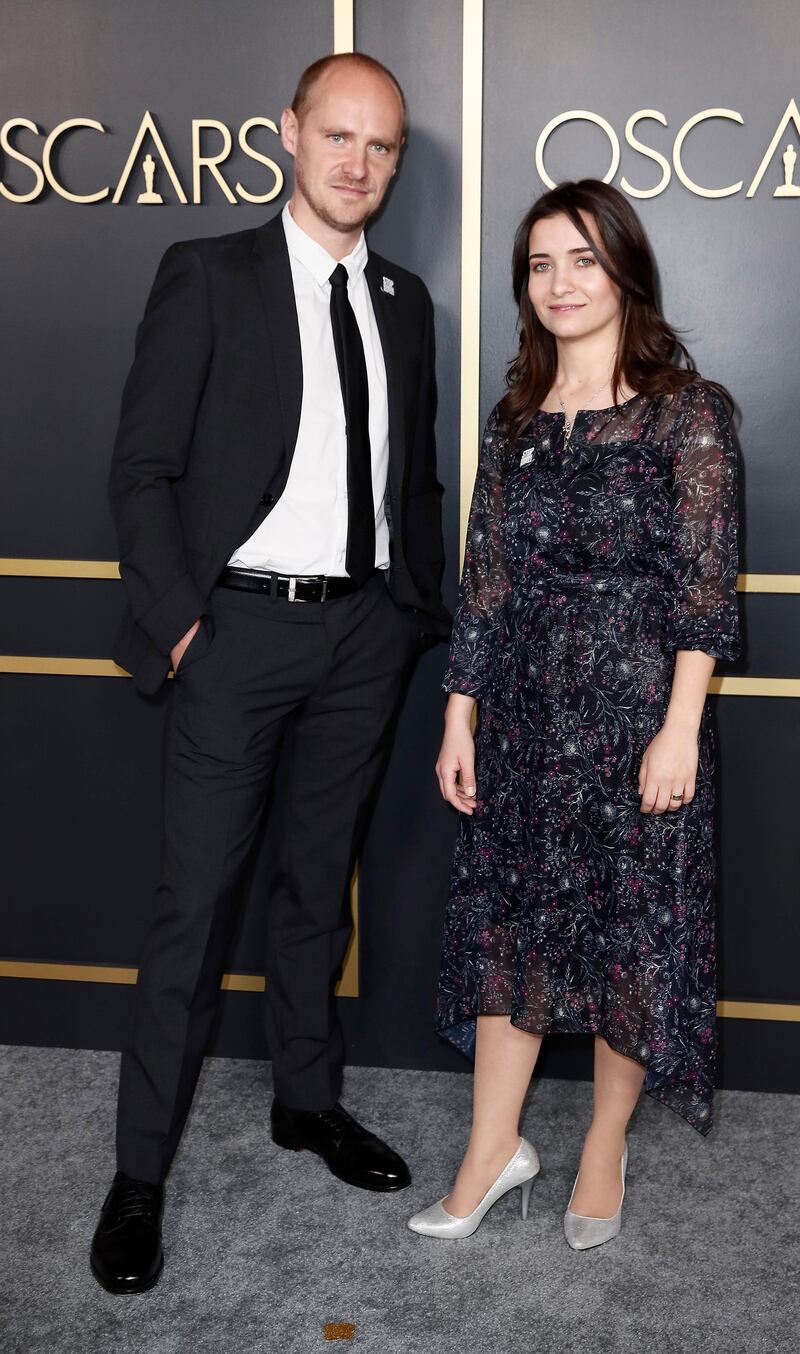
(387, 285)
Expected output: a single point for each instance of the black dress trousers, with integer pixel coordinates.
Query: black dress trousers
(330, 675)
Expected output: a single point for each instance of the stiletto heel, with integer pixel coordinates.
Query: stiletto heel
(582, 1232)
(525, 1191)
(521, 1170)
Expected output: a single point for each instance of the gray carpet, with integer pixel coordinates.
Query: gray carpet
(264, 1246)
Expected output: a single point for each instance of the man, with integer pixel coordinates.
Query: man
(278, 512)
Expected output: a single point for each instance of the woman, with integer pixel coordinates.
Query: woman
(599, 587)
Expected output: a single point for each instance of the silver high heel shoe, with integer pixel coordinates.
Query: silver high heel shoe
(581, 1232)
(521, 1171)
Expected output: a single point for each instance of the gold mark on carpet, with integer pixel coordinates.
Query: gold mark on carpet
(339, 1330)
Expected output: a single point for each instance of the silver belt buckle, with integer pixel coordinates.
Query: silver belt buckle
(324, 588)
(292, 588)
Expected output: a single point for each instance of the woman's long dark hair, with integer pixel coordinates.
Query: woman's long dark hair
(650, 358)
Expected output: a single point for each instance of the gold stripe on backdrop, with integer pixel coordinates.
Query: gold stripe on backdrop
(343, 26)
(59, 568)
(254, 982)
(759, 1010)
(231, 982)
(104, 973)
(68, 973)
(776, 583)
(25, 568)
(109, 568)
(754, 686)
(104, 667)
(61, 667)
(471, 161)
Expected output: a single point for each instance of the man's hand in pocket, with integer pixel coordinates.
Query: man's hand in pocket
(176, 653)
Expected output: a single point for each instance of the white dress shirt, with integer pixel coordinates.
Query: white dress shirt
(306, 532)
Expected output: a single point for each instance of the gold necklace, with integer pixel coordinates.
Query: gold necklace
(569, 424)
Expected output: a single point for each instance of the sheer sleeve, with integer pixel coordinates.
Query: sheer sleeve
(703, 546)
(484, 579)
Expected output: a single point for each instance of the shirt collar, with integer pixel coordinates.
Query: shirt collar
(316, 260)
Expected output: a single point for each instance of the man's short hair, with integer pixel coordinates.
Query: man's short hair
(312, 73)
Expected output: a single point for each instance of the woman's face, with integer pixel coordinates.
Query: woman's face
(571, 293)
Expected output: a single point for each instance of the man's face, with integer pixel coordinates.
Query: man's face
(346, 146)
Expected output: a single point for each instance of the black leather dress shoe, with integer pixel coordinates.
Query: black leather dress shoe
(126, 1252)
(348, 1150)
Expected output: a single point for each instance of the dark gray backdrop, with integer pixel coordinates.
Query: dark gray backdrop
(80, 771)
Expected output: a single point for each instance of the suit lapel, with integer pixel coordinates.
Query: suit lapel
(274, 273)
(384, 304)
(272, 268)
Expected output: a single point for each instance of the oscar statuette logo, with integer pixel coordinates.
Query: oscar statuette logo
(788, 188)
(149, 168)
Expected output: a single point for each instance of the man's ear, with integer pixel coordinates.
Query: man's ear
(289, 129)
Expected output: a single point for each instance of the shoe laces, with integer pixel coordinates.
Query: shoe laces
(341, 1124)
(135, 1199)
(336, 1118)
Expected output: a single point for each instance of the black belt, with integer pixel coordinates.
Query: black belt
(318, 588)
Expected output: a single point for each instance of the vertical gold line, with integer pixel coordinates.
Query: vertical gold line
(343, 26)
(471, 159)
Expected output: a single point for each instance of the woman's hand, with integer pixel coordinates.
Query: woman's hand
(669, 767)
(457, 755)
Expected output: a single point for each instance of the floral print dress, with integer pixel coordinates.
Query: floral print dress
(587, 567)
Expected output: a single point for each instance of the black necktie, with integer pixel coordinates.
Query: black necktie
(360, 557)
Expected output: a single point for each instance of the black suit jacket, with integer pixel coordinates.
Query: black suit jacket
(209, 422)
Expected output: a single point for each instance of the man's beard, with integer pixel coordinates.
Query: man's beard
(320, 210)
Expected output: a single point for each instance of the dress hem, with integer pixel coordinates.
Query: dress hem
(658, 1089)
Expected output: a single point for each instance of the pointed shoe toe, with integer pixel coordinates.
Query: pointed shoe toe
(584, 1233)
(433, 1221)
(520, 1172)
